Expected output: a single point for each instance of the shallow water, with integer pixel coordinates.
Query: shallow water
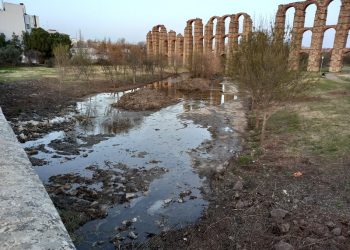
(160, 137)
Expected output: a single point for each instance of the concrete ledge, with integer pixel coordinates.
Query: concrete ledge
(28, 218)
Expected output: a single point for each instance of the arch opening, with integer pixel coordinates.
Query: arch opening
(289, 22)
(303, 61)
(239, 39)
(346, 62)
(348, 41)
(310, 15)
(241, 21)
(227, 25)
(227, 45)
(328, 39)
(307, 38)
(333, 12)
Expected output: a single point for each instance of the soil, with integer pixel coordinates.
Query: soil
(195, 84)
(88, 198)
(278, 201)
(34, 99)
(145, 99)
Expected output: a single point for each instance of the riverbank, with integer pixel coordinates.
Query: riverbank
(290, 193)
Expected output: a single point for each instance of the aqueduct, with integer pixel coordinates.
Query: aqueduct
(218, 37)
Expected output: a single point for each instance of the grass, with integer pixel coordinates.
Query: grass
(11, 74)
(319, 127)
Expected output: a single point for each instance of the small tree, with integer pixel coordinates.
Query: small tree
(260, 67)
(61, 54)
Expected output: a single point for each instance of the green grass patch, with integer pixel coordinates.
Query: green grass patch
(284, 121)
(11, 74)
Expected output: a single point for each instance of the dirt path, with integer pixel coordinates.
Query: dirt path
(334, 77)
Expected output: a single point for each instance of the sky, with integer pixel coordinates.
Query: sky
(132, 19)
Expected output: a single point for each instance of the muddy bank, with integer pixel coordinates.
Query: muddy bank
(195, 84)
(36, 99)
(145, 99)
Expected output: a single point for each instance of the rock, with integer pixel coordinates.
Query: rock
(167, 201)
(310, 240)
(134, 220)
(336, 231)
(22, 137)
(129, 196)
(242, 204)
(132, 235)
(284, 227)
(238, 186)
(319, 229)
(278, 214)
(341, 238)
(98, 243)
(283, 246)
(85, 155)
(330, 224)
(67, 186)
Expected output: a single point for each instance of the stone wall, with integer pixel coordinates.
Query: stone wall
(28, 218)
(199, 39)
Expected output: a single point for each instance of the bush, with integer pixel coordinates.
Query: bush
(10, 55)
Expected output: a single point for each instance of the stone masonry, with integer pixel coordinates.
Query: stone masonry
(199, 39)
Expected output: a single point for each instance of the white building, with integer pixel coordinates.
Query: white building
(14, 19)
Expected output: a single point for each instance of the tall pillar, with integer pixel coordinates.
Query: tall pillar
(163, 41)
(179, 49)
(317, 39)
(188, 44)
(171, 47)
(155, 40)
(297, 37)
(198, 36)
(342, 32)
(149, 45)
(220, 37)
(280, 22)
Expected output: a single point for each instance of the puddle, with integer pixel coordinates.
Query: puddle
(162, 139)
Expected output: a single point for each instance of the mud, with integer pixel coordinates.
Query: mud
(90, 197)
(145, 99)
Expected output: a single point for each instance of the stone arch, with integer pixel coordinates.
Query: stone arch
(328, 38)
(227, 21)
(303, 60)
(211, 33)
(239, 39)
(333, 11)
(310, 14)
(307, 39)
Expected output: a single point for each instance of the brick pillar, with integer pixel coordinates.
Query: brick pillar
(297, 37)
(317, 39)
(280, 22)
(207, 40)
(149, 44)
(163, 41)
(171, 47)
(155, 40)
(342, 31)
(179, 48)
(230, 34)
(198, 36)
(248, 26)
(220, 37)
(188, 44)
(235, 30)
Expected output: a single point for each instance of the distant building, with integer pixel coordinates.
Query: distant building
(14, 19)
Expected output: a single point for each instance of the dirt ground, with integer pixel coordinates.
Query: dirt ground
(33, 99)
(145, 99)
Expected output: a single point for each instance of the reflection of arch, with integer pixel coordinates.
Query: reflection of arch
(310, 15)
(328, 38)
(307, 38)
(333, 7)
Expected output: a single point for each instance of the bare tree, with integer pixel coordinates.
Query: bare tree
(61, 54)
(260, 67)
